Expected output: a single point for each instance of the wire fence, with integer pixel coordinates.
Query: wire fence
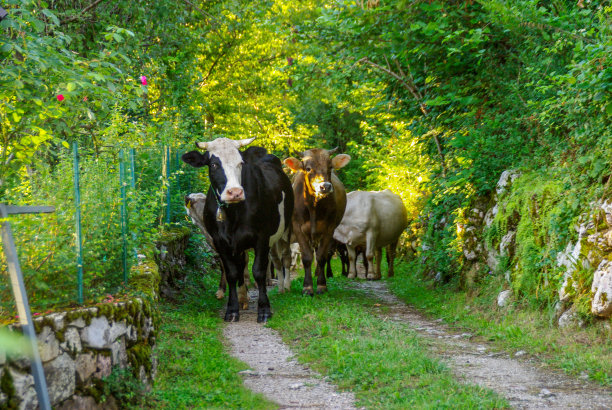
(110, 205)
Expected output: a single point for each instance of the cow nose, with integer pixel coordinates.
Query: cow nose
(235, 194)
(327, 187)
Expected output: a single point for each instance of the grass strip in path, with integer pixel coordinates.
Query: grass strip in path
(195, 371)
(519, 327)
(386, 364)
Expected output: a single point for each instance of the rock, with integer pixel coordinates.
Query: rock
(131, 333)
(119, 354)
(504, 298)
(86, 365)
(505, 180)
(97, 334)
(72, 341)
(601, 304)
(607, 208)
(58, 320)
(60, 375)
(79, 323)
(24, 389)
(48, 345)
(103, 366)
(520, 353)
(545, 393)
(117, 329)
(80, 403)
(506, 243)
(570, 318)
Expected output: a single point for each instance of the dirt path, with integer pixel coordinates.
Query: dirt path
(524, 382)
(275, 373)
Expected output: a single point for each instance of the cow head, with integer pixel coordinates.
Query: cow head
(316, 164)
(224, 163)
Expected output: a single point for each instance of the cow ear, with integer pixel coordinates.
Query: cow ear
(196, 158)
(340, 160)
(294, 164)
(332, 151)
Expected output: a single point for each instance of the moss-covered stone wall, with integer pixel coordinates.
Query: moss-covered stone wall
(81, 347)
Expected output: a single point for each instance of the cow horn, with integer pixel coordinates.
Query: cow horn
(332, 151)
(202, 145)
(242, 143)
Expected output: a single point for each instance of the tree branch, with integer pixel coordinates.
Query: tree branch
(85, 10)
(415, 93)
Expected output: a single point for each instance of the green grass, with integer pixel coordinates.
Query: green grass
(195, 370)
(386, 364)
(517, 327)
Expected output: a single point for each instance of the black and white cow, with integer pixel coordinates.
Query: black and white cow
(249, 205)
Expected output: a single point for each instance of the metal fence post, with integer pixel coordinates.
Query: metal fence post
(133, 186)
(21, 298)
(123, 213)
(77, 201)
(168, 186)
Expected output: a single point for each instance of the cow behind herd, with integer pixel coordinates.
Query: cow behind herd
(252, 204)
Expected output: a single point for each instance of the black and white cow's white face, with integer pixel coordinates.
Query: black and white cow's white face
(224, 166)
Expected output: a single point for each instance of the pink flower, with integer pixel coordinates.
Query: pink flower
(143, 80)
(85, 98)
(60, 97)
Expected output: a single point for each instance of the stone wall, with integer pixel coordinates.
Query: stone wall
(79, 348)
(592, 252)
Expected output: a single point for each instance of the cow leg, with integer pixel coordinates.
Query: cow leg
(222, 286)
(234, 268)
(243, 296)
(377, 263)
(260, 270)
(391, 258)
(352, 257)
(322, 257)
(343, 254)
(328, 269)
(369, 254)
(306, 252)
(286, 268)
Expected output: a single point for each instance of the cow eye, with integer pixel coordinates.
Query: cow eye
(214, 166)
(308, 169)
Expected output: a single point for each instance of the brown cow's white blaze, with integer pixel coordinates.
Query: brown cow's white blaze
(231, 162)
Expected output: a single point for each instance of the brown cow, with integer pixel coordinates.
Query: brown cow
(320, 199)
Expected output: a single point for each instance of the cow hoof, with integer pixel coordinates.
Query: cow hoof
(351, 276)
(220, 294)
(232, 317)
(262, 317)
(321, 290)
(308, 292)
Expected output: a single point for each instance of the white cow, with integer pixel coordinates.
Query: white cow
(372, 219)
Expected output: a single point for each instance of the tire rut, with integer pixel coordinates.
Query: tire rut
(523, 381)
(274, 371)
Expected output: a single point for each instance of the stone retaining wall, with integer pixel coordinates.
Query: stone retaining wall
(81, 347)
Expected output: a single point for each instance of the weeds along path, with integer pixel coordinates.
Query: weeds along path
(525, 383)
(275, 373)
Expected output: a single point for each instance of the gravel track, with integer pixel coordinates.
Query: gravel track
(523, 380)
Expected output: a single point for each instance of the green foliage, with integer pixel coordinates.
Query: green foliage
(127, 390)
